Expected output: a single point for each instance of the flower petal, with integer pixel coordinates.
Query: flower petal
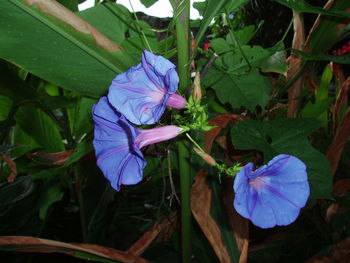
(117, 158)
(273, 194)
(141, 93)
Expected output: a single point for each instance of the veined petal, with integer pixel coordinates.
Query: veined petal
(273, 194)
(117, 157)
(141, 93)
(155, 135)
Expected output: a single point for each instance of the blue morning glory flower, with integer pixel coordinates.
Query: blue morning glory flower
(117, 144)
(142, 93)
(272, 194)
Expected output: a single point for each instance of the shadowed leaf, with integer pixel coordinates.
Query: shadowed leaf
(50, 159)
(78, 250)
(148, 237)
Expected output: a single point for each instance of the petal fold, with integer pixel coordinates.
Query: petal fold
(141, 93)
(118, 159)
(274, 193)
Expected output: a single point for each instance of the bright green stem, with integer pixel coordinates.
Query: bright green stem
(183, 41)
(182, 15)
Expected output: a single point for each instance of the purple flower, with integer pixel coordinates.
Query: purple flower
(117, 144)
(142, 93)
(272, 194)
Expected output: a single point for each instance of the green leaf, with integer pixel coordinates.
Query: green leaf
(51, 195)
(111, 19)
(244, 35)
(249, 90)
(317, 110)
(82, 149)
(220, 45)
(235, 62)
(23, 141)
(275, 63)
(53, 43)
(5, 103)
(287, 136)
(38, 125)
(148, 3)
(80, 117)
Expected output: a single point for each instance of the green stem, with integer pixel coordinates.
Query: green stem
(185, 185)
(182, 15)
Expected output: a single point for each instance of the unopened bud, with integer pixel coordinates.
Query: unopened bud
(197, 91)
(206, 157)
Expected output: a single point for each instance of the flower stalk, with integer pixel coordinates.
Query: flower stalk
(182, 14)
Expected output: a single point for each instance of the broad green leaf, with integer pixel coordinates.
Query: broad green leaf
(111, 19)
(51, 195)
(38, 125)
(300, 6)
(287, 136)
(53, 43)
(247, 90)
(244, 35)
(23, 141)
(80, 118)
(220, 45)
(235, 62)
(148, 3)
(275, 63)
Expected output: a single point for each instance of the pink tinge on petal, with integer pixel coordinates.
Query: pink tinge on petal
(176, 101)
(151, 136)
(257, 183)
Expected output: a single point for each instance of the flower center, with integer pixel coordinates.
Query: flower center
(257, 183)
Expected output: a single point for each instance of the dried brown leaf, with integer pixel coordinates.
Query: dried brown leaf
(340, 187)
(220, 121)
(338, 72)
(239, 225)
(50, 159)
(335, 149)
(340, 101)
(39, 245)
(12, 165)
(201, 198)
(294, 65)
(147, 238)
(337, 253)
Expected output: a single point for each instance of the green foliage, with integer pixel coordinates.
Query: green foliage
(59, 53)
(55, 65)
(246, 90)
(148, 3)
(287, 136)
